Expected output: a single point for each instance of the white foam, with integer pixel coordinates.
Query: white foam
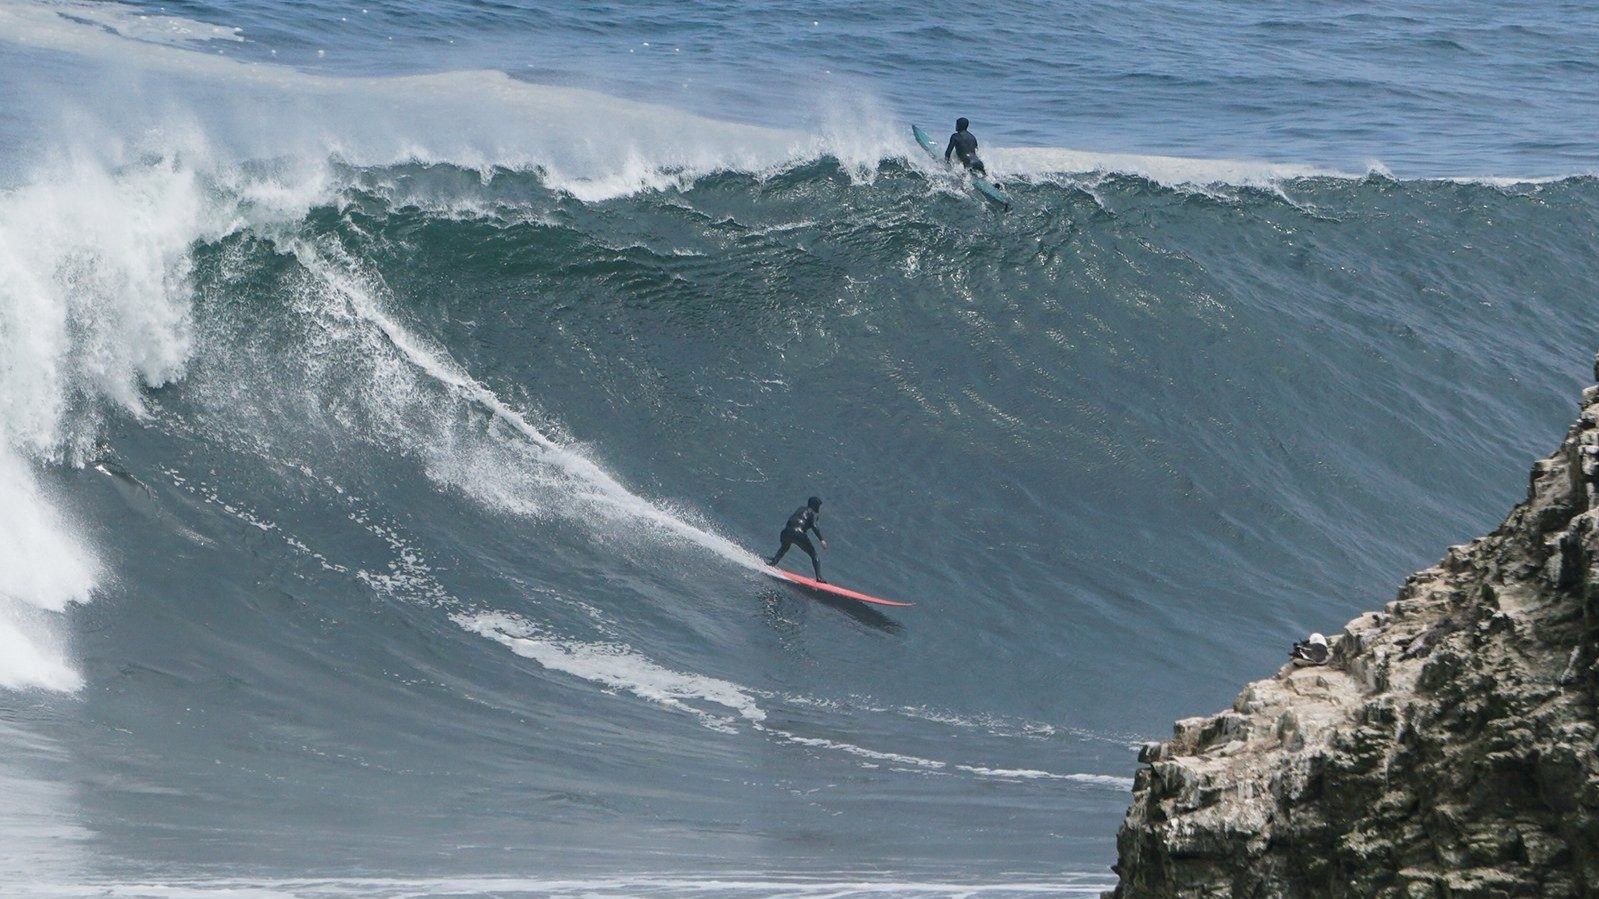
(93, 296)
(43, 567)
(899, 758)
(521, 470)
(593, 145)
(93, 304)
(1105, 780)
(852, 749)
(617, 666)
(30, 653)
(1168, 170)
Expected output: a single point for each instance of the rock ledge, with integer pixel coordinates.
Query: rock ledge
(1449, 749)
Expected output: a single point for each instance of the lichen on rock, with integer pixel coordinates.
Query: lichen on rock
(1449, 749)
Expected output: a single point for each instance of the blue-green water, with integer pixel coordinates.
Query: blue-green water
(387, 432)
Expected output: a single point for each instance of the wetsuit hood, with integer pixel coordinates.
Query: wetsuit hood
(815, 503)
(961, 124)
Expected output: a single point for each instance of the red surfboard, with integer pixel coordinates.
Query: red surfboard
(829, 588)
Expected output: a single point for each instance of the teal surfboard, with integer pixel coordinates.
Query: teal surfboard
(983, 185)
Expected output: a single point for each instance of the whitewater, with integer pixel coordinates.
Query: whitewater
(390, 428)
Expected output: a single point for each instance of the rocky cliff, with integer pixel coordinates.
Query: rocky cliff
(1449, 749)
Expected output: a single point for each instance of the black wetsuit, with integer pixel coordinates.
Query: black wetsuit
(803, 519)
(964, 145)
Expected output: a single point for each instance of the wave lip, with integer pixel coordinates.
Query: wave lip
(591, 145)
(93, 305)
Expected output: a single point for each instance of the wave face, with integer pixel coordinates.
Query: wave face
(382, 505)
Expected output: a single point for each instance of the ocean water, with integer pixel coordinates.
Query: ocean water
(394, 399)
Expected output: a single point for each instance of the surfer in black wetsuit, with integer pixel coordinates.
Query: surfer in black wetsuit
(963, 144)
(803, 519)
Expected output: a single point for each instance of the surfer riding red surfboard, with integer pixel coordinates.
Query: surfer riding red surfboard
(803, 519)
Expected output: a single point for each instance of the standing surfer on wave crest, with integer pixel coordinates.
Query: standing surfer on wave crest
(803, 519)
(963, 144)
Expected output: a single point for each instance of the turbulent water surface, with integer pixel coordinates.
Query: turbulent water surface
(393, 401)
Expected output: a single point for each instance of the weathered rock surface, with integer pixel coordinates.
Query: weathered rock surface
(1450, 748)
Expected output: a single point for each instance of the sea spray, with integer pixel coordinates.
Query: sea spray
(94, 305)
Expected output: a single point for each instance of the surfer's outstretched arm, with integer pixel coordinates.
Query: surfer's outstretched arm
(949, 149)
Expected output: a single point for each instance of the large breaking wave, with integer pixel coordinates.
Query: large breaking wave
(441, 416)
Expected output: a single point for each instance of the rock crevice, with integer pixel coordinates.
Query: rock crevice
(1450, 748)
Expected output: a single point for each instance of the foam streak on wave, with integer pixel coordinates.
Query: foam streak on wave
(594, 489)
(617, 667)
